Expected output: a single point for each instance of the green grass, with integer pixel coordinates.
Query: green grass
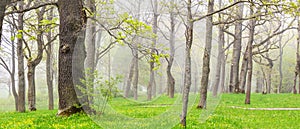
(219, 114)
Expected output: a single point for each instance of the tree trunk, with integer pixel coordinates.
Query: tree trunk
(151, 89)
(90, 43)
(33, 62)
(221, 42)
(21, 75)
(136, 72)
(234, 71)
(243, 73)
(31, 87)
(206, 57)
(249, 56)
(3, 4)
(297, 72)
(280, 63)
(72, 19)
(187, 75)
(170, 79)
(49, 71)
(129, 80)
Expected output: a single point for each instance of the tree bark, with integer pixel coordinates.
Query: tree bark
(33, 62)
(49, 71)
(206, 57)
(221, 42)
(234, 71)
(249, 56)
(3, 4)
(244, 71)
(90, 43)
(21, 75)
(187, 75)
(129, 79)
(72, 20)
(170, 79)
(151, 90)
(136, 72)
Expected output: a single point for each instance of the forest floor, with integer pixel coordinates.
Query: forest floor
(226, 111)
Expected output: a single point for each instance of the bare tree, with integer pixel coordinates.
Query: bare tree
(206, 56)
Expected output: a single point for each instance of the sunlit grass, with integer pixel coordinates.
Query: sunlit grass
(223, 116)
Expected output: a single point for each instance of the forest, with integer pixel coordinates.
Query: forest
(149, 64)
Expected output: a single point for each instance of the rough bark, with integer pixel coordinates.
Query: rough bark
(21, 75)
(72, 20)
(187, 75)
(249, 57)
(206, 57)
(234, 71)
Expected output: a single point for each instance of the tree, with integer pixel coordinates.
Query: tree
(187, 75)
(234, 71)
(3, 4)
(206, 56)
(33, 62)
(20, 55)
(72, 20)
(249, 55)
(151, 89)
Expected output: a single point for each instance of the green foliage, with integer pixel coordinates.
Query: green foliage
(98, 89)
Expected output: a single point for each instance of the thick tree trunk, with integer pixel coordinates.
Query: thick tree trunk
(31, 87)
(72, 20)
(206, 57)
(234, 71)
(249, 56)
(187, 75)
(21, 75)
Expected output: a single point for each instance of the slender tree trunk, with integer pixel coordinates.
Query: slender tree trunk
(234, 72)
(49, 71)
(243, 73)
(221, 42)
(3, 4)
(249, 56)
(136, 72)
(72, 19)
(151, 90)
(21, 75)
(206, 57)
(33, 62)
(297, 72)
(129, 80)
(171, 80)
(90, 43)
(280, 64)
(187, 75)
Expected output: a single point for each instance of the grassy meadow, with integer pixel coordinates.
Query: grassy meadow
(228, 111)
